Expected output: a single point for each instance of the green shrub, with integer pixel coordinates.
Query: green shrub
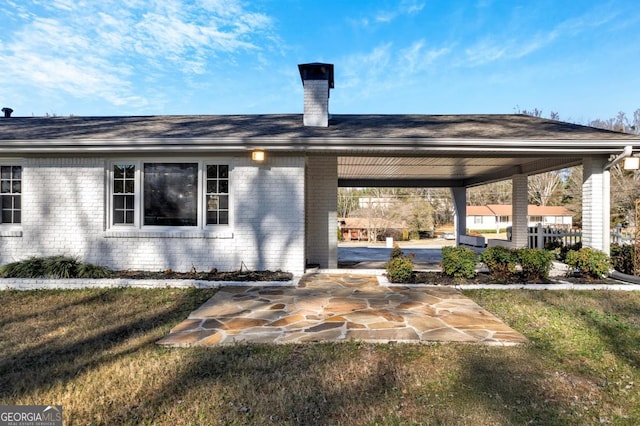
(52, 267)
(400, 269)
(459, 262)
(553, 244)
(60, 267)
(562, 255)
(30, 268)
(396, 251)
(622, 258)
(588, 262)
(535, 264)
(501, 262)
(89, 270)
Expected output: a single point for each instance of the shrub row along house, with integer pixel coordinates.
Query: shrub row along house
(184, 192)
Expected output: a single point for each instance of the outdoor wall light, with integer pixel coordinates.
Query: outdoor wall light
(631, 163)
(257, 156)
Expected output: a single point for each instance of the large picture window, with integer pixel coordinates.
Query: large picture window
(171, 194)
(11, 193)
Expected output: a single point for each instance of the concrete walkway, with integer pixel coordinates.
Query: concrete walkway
(338, 307)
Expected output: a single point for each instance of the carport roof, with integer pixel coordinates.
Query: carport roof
(372, 150)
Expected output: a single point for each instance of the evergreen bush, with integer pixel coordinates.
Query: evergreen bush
(500, 261)
(622, 258)
(52, 267)
(588, 262)
(459, 262)
(396, 251)
(400, 269)
(536, 263)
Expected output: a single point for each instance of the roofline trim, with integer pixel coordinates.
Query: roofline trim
(344, 146)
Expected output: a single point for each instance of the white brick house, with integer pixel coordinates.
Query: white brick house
(185, 192)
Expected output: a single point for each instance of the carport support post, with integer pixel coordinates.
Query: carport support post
(520, 202)
(459, 196)
(596, 204)
(321, 198)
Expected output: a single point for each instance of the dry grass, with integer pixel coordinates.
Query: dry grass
(93, 352)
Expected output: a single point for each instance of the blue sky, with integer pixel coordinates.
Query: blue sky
(580, 58)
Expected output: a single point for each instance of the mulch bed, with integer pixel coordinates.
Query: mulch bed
(421, 277)
(206, 276)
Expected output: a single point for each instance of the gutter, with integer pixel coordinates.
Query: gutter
(628, 150)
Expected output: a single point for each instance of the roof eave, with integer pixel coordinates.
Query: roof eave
(338, 146)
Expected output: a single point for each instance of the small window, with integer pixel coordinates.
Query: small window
(10, 193)
(217, 197)
(124, 184)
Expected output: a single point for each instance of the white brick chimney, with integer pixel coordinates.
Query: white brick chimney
(317, 79)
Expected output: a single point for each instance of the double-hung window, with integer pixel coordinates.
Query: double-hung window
(188, 194)
(11, 194)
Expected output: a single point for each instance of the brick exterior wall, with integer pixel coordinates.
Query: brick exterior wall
(322, 216)
(520, 223)
(64, 213)
(595, 204)
(316, 103)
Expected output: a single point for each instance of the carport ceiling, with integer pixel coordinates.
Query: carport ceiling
(425, 172)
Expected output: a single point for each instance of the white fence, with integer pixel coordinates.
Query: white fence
(540, 236)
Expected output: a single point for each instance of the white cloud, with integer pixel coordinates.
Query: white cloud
(515, 46)
(94, 49)
(406, 7)
(387, 67)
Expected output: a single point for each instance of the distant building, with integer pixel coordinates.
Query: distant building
(499, 216)
(367, 229)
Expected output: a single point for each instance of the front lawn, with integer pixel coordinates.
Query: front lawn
(93, 352)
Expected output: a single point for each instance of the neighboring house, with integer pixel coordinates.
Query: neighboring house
(499, 216)
(367, 229)
(185, 192)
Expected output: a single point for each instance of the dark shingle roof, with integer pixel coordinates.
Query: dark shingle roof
(289, 126)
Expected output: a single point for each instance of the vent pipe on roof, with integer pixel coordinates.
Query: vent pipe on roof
(7, 112)
(317, 80)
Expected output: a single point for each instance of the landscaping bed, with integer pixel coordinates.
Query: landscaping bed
(214, 275)
(439, 278)
(64, 267)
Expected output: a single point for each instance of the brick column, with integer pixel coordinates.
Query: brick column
(459, 196)
(520, 203)
(321, 191)
(596, 204)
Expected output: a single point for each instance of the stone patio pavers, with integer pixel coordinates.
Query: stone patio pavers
(337, 307)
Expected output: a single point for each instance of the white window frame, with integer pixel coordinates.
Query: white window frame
(14, 226)
(138, 225)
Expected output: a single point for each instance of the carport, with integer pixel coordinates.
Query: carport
(458, 152)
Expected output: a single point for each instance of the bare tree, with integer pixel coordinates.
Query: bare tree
(492, 193)
(545, 189)
(348, 199)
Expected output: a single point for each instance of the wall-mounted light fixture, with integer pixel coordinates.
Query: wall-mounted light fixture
(631, 163)
(258, 156)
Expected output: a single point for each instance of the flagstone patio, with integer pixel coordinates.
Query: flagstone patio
(338, 307)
